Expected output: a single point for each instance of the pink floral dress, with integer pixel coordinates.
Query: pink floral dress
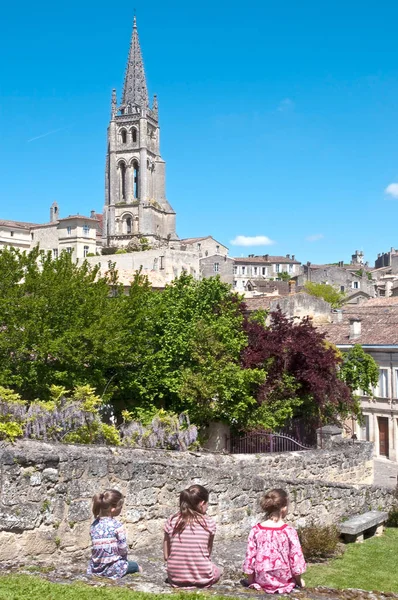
(274, 555)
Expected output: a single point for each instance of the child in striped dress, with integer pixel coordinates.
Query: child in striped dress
(188, 542)
(108, 537)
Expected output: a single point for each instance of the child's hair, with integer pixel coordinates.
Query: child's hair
(190, 500)
(102, 503)
(274, 502)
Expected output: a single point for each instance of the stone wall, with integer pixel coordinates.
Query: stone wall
(46, 491)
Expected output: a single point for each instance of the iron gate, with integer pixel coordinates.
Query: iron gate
(261, 442)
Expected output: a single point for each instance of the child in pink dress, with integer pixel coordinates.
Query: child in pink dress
(274, 559)
(188, 542)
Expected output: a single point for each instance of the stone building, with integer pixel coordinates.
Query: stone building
(75, 234)
(135, 198)
(294, 305)
(345, 278)
(217, 264)
(262, 267)
(161, 265)
(16, 234)
(373, 325)
(204, 246)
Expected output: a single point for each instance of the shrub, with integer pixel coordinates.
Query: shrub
(109, 250)
(320, 542)
(392, 520)
(77, 420)
(166, 430)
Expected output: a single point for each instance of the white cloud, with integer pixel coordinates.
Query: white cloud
(285, 105)
(254, 240)
(315, 237)
(392, 190)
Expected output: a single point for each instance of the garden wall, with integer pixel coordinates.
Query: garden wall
(46, 491)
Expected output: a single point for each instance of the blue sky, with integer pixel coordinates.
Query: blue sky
(279, 120)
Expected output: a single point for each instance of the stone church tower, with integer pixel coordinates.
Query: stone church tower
(135, 197)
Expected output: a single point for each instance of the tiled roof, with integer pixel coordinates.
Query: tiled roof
(17, 224)
(392, 301)
(352, 268)
(193, 240)
(78, 217)
(261, 302)
(266, 259)
(265, 285)
(379, 323)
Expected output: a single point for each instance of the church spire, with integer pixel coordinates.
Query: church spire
(135, 90)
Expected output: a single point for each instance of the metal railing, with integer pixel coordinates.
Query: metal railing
(264, 442)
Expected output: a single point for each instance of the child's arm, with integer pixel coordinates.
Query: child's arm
(250, 560)
(166, 546)
(296, 558)
(210, 544)
(121, 542)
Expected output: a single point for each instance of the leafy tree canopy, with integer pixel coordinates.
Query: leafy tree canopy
(296, 351)
(190, 348)
(359, 370)
(327, 292)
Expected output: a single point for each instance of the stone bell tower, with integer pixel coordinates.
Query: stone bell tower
(135, 197)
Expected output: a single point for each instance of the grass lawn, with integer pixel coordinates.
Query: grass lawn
(368, 566)
(27, 587)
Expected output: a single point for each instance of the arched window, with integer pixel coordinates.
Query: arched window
(136, 174)
(123, 134)
(128, 225)
(122, 168)
(134, 134)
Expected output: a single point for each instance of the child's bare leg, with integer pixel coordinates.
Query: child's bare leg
(299, 581)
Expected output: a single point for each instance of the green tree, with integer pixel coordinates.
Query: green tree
(189, 339)
(54, 318)
(327, 292)
(284, 276)
(359, 370)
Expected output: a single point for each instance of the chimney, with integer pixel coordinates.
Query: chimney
(288, 256)
(266, 256)
(54, 216)
(292, 286)
(92, 214)
(293, 257)
(337, 315)
(355, 328)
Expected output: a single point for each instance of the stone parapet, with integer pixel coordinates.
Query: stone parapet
(46, 491)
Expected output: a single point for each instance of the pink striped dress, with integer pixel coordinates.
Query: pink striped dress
(189, 563)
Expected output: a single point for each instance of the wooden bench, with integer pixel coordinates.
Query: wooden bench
(370, 523)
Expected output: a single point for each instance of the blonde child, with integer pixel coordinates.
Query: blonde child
(274, 559)
(188, 542)
(108, 537)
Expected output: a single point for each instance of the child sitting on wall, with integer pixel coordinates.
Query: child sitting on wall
(108, 537)
(274, 559)
(188, 542)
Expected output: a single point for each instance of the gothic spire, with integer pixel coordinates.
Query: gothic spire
(135, 90)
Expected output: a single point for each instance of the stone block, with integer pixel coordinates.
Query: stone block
(79, 510)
